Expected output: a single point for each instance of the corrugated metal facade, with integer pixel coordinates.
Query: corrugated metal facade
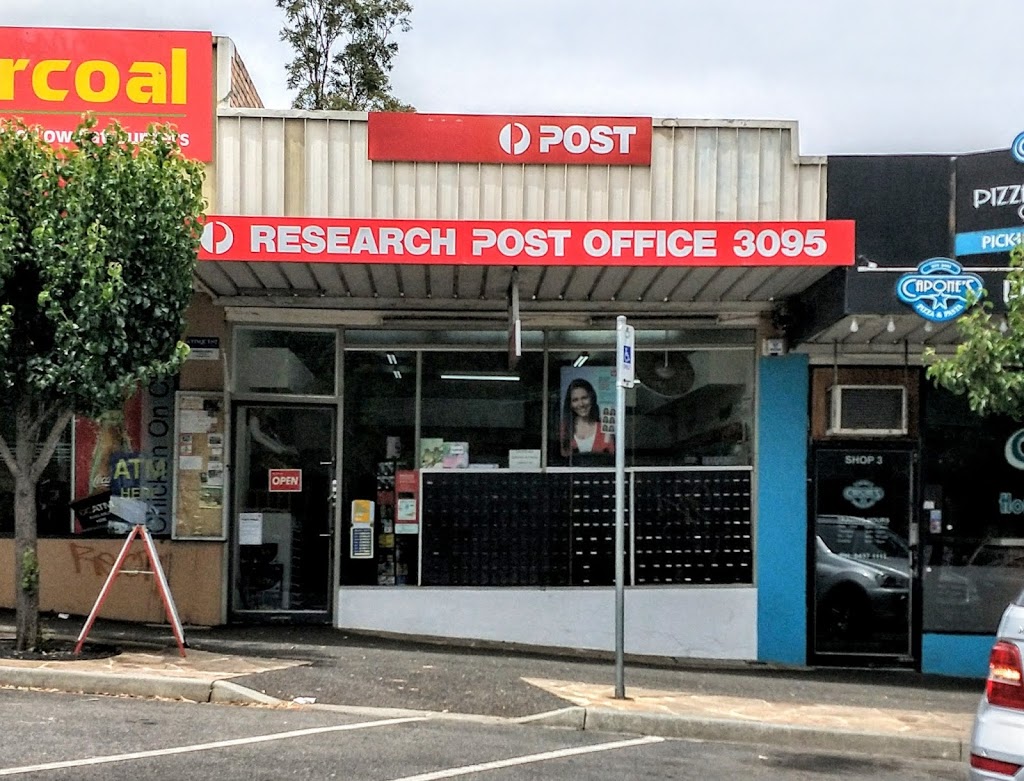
(304, 164)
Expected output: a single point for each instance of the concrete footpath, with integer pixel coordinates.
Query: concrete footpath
(880, 712)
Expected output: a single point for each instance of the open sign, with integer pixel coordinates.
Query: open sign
(285, 480)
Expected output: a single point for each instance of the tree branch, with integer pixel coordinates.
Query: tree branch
(50, 445)
(8, 457)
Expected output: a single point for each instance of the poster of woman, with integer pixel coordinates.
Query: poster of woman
(587, 426)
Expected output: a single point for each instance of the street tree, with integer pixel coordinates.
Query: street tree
(988, 365)
(98, 244)
(344, 52)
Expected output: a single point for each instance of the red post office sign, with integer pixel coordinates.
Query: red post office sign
(51, 76)
(284, 480)
(538, 243)
(475, 138)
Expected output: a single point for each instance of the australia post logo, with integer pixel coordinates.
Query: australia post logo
(50, 77)
(456, 138)
(939, 290)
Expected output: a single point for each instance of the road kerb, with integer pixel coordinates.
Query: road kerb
(227, 692)
(789, 736)
(168, 687)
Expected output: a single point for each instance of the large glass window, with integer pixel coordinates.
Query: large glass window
(284, 361)
(475, 410)
(379, 441)
(972, 529)
(53, 492)
(689, 408)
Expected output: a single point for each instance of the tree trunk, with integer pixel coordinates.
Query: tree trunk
(26, 566)
(26, 569)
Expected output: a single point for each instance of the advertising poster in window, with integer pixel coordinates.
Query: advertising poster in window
(122, 469)
(587, 422)
(199, 466)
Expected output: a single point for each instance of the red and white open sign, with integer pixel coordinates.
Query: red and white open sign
(285, 480)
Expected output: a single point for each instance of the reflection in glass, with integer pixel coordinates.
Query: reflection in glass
(284, 361)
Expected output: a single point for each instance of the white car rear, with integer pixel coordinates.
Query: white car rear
(997, 743)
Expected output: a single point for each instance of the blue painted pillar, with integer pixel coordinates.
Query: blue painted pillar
(781, 537)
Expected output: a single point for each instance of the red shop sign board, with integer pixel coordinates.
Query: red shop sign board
(522, 243)
(477, 138)
(51, 76)
(285, 480)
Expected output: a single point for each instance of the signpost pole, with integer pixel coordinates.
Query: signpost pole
(624, 376)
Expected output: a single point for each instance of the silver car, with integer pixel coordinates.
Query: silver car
(997, 743)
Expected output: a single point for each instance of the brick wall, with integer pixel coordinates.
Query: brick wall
(243, 91)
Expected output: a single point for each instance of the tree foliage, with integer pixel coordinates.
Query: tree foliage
(988, 365)
(344, 52)
(98, 246)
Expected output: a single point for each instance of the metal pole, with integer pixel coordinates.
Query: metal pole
(620, 513)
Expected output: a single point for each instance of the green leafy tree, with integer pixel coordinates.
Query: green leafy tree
(98, 246)
(344, 52)
(988, 365)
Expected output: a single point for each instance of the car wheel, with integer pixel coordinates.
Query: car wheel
(845, 614)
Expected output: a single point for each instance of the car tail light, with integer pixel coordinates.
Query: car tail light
(994, 765)
(1005, 686)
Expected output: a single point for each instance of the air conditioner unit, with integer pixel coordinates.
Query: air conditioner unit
(868, 410)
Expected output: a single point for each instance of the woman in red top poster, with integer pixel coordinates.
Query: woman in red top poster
(581, 421)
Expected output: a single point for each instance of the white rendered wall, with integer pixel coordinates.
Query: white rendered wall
(701, 623)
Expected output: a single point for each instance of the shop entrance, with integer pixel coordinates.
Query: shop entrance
(283, 511)
(864, 549)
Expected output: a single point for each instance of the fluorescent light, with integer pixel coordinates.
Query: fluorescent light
(581, 359)
(481, 377)
(392, 359)
(398, 374)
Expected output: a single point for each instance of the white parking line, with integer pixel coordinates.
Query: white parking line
(465, 770)
(164, 752)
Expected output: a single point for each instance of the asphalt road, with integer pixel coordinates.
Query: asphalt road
(59, 736)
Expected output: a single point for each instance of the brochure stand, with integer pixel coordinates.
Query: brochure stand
(162, 587)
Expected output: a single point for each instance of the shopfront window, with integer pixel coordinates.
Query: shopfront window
(53, 492)
(972, 524)
(475, 410)
(379, 442)
(689, 408)
(284, 361)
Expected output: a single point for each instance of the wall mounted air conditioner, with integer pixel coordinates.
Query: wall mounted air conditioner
(868, 410)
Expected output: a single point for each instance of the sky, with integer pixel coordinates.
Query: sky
(875, 76)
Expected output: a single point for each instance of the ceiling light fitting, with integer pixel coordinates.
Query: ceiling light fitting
(480, 376)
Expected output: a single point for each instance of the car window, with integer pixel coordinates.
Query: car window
(862, 541)
(998, 556)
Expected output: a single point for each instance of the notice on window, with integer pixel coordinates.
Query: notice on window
(250, 528)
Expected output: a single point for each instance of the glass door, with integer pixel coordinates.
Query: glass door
(863, 553)
(284, 510)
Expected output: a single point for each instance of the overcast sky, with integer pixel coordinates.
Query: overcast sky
(871, 76)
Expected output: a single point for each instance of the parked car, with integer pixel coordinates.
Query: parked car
(997, 742)
(861, 576)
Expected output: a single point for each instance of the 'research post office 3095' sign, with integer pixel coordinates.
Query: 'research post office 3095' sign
(335, 240)
(51, 76)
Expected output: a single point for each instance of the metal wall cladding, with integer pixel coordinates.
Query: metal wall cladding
(304, 164)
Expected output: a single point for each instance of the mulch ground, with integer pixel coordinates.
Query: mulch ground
(52, 650)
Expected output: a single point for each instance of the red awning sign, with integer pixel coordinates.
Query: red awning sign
(539, 243)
